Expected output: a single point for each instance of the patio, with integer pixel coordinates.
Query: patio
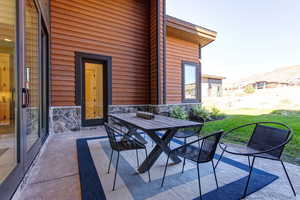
(55, 174)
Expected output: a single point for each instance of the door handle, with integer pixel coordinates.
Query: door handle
(25, 98)
(28, 98)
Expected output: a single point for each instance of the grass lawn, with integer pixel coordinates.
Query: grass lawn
(292, 119)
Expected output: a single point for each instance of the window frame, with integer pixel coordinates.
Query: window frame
(198, 75)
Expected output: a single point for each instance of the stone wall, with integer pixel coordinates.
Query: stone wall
(68, 118)
(64, 119)
(112, 109)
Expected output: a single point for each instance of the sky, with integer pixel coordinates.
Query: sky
(253, 36)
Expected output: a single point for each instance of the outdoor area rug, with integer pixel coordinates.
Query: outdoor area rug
(96, 183)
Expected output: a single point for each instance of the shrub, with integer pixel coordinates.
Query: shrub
(215, 111)
(285, 112)
(202, 112)
(249, 89)
(179, 113)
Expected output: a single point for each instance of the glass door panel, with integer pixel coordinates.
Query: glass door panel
(93, 91)
(8, 131)
(32, 73)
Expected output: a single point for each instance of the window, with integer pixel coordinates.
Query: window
(190, 82)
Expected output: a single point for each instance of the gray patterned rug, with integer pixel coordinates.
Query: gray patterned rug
(96, 183)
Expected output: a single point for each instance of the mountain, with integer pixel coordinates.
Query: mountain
(290, 74)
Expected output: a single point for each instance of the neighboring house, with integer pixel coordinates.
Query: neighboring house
(68, 64)
(268, 84)
(212, 86)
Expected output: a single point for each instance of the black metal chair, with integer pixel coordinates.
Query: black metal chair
(119, 142)
(186, 133)
(118, 124)
(203, 154)
(266, 142)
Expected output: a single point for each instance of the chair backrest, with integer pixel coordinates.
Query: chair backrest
(111, 133)
(166, 114)
(197, 118)
(266, 137)
(117, 122)
(209, 146)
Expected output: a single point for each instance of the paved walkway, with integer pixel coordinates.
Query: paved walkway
(54, 175)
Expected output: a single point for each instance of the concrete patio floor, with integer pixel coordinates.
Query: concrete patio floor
(55, 176)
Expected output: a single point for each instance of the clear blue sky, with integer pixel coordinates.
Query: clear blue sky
(253, 35)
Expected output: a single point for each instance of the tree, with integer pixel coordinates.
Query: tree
(249, 89)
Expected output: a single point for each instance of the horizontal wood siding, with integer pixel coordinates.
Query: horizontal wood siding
(118, 28)
(178, 51)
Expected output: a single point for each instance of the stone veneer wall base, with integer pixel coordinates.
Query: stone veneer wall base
(68, 118)
(64, 119)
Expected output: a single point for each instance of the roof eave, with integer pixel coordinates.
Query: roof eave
(190, 31)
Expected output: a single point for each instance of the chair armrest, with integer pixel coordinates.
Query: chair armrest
(198, 140)
(236, 128)
(187, 144)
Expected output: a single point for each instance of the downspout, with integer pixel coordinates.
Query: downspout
(158, 51)
(164, 55)
(200, 75)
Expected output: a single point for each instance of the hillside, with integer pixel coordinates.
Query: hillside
(290, 74)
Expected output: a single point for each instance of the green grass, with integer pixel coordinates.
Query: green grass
(292, 119)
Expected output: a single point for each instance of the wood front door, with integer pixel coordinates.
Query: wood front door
(93, 93)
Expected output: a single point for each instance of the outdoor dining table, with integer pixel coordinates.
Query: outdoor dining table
(166, 125)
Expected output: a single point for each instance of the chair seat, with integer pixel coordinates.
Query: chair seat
(245, 150)
(263, 155)
(191, 153)
(267, 156)
(126, 144)
(185, 134)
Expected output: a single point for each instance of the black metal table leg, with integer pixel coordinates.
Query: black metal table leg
(161, 146)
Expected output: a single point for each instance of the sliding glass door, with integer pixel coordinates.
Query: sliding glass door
(8, 128)
(32, 74)
(11, 165)
(23, 90)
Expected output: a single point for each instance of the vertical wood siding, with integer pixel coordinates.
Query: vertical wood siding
(153, 52)
(178, 51)
(118, 28)
(161, 34)
(156, 33)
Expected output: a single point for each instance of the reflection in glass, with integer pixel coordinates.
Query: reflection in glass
(32, 73)
(8, 138)
(190, 81)
(93, 91)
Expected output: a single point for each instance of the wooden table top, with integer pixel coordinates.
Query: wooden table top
(156, 124)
